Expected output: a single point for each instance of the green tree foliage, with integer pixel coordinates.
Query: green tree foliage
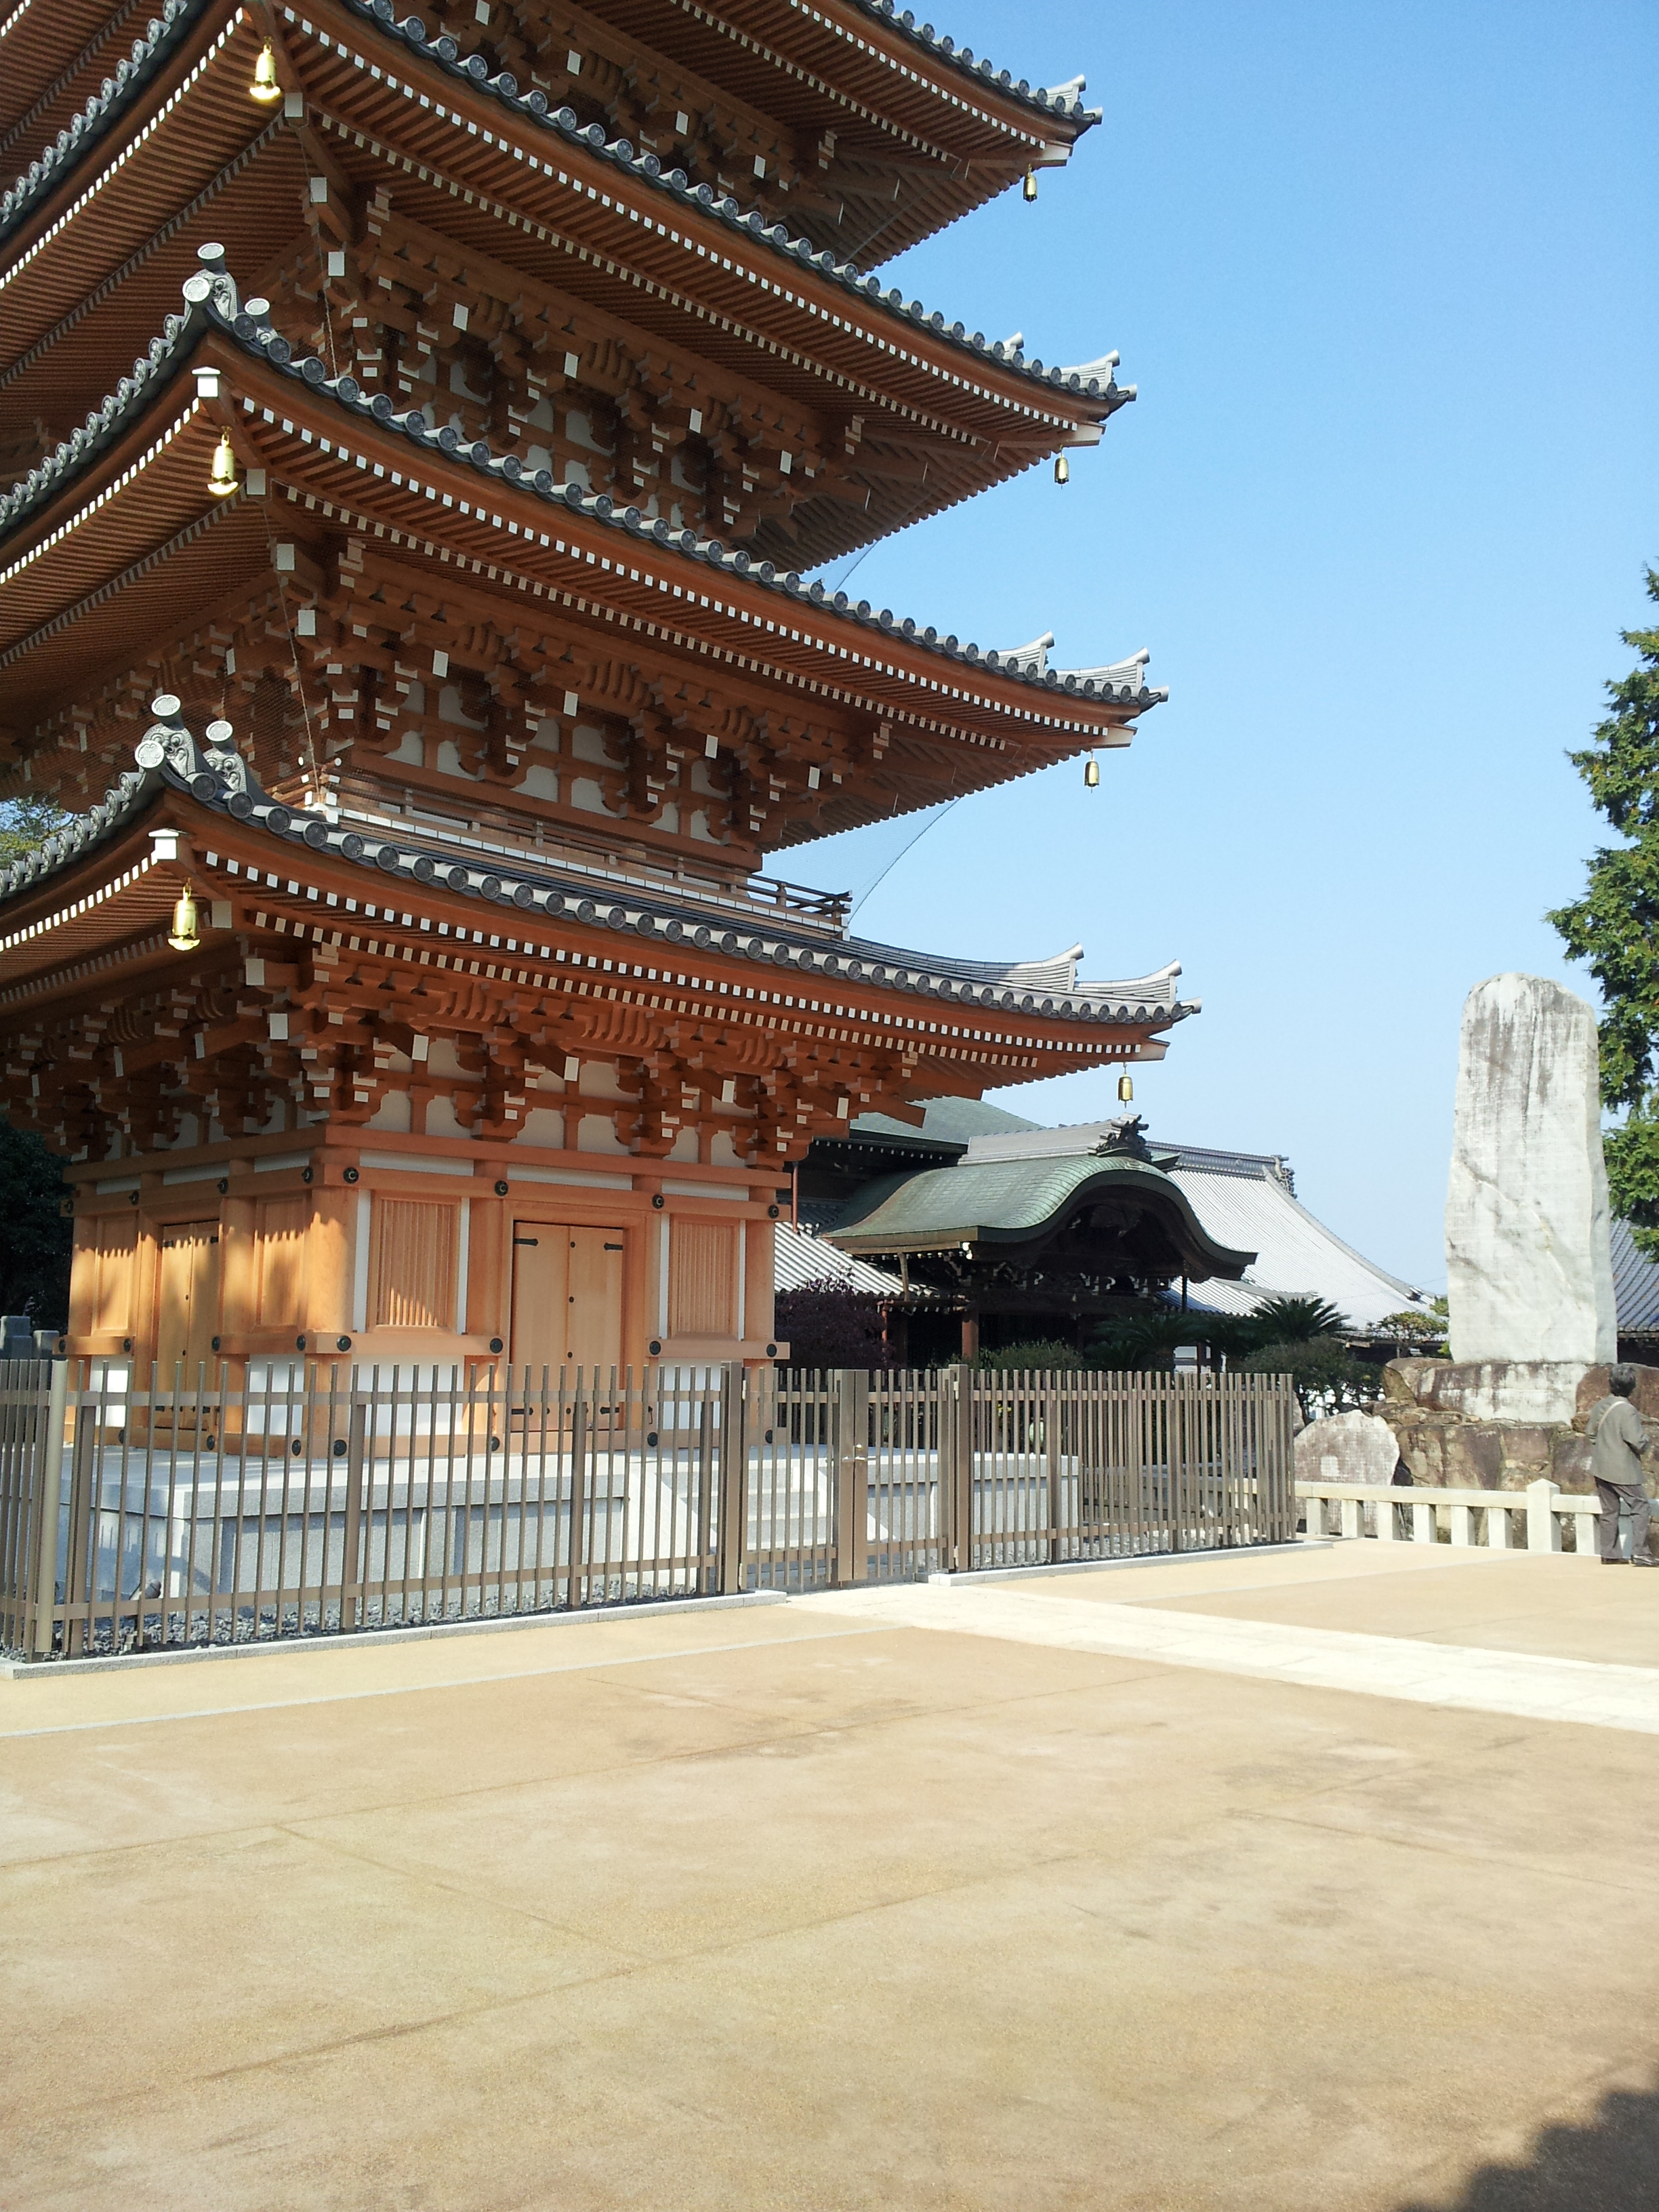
(1042, 1356)
(1297, 1321)
(1413, 1324)
(1327, 1377)
(1147, 1337)
(25, 826)
(1615, 928)
(36, 1243)
(35, 1246)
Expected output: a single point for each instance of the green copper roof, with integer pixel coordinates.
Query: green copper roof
(1016, 1201)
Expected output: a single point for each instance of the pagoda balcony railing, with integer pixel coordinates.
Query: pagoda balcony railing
(450, 820)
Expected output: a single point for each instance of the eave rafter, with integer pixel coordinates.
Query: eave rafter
(342, 483)
(533, 191)
(309, 995)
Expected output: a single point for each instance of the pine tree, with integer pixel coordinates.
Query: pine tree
(1615, 926)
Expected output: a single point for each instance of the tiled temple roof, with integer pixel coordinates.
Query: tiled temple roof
(217, 779)
(1082, 382)
(1007, 1202)
(130, 76)
(1049, 100)
(214, 304)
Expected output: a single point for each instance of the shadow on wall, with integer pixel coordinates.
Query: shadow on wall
(1611, 2164)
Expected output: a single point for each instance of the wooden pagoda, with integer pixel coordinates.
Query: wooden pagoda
(418, 634)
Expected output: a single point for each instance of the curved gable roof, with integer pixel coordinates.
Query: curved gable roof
(1013, 1202)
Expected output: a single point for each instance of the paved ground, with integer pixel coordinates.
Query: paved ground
(934, 1898)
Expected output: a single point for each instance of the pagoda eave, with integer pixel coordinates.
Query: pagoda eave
(127, 548)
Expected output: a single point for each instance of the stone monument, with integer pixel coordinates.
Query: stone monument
(1528, 1268)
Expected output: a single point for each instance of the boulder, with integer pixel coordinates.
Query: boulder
(1593, 1387)
(1569, 1461)
(1529, 1271)
(1473, 1454)
(1499, 1389)
(1403, 1379)
(1346, 1448)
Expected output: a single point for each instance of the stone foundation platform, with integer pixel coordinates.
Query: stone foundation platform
(1444, 1446)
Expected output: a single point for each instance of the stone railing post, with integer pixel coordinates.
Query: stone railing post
(1543, 1529)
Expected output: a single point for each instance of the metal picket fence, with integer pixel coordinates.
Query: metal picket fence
(304, 1499)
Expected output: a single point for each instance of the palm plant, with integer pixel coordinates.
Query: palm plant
(1297, 1321)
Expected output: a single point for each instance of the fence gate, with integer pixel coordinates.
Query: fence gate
(304, 1499)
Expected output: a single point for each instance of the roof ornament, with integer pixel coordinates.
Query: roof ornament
(221, 757)
(1126, 1139)
(1032, 659)
(169, 743)
(213, 281)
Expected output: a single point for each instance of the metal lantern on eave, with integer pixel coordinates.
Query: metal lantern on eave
(264, 87)
(185, 934)
(222, 479)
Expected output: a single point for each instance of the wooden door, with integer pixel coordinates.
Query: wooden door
(594, 1302)
(567, 1297)
(187, 1316)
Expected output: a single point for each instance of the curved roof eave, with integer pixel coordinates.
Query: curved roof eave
(43, 176)
(1063, 100)
(214, 304)
(219, 781)
(996, 1204)
(137, 70)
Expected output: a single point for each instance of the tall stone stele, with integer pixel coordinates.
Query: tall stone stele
(1528, 1269)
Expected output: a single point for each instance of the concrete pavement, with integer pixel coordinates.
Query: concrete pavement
(818, 1905)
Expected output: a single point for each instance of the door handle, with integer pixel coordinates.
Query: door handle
(526, 1240)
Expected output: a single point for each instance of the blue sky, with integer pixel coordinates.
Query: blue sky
(1384, 278)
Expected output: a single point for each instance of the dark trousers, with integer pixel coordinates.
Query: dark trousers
(1622, 1499)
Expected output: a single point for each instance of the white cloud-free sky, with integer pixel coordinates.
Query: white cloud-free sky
(1384, 276)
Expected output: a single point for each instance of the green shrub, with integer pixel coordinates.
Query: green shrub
(1013, 1357)
(1328, 1378)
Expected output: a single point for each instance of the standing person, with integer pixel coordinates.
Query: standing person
(1616, 1428)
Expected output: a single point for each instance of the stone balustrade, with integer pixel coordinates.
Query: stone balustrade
(1485, 1519)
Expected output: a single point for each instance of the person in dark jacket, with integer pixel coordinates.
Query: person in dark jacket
(1616, 1432)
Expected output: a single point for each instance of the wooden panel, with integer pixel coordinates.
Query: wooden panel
(187, 1317)
(541, 1288)
(567, 1286)
(595, 1300)
(111, 1261)
(280, 1228)
(412, 1267)
(702, 1278)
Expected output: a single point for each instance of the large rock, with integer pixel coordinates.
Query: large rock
(1346, 1448)
(1593, 1387)
(1406, 1379)
(1529, 1274)
(1500, 1389)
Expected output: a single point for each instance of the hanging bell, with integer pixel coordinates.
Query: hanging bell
(1062, 469)
(1030, 184)
(222, 479)
(264, 87)
(185, 934)
(1090, 774)
(1126, 1091)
